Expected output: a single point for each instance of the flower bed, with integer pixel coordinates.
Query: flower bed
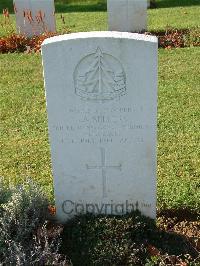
(169, 39)
(27, 217)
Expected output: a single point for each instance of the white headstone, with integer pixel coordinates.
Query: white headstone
(127, 15)
(101, 90)
(34, 17)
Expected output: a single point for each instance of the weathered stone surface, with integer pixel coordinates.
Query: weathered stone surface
(101, 90)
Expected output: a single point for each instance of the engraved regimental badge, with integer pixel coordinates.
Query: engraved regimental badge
(99, 77)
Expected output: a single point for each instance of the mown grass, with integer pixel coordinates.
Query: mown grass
(25, 149)
(178, 127)
(24, 135)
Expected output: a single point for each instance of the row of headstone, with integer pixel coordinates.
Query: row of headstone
(34, 17)
(101, 90)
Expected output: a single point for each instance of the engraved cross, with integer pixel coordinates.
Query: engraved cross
(103, 167)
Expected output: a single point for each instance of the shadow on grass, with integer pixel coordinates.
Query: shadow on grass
(176, 3)
(98, 5)
(64, 6)
(180, 215)
(90, 7)
(6, 4)
(115, 240)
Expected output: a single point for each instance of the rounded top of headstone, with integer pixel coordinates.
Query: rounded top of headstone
(101, 34)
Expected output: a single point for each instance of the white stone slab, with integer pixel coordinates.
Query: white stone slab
(127, 15)
(101, 90)
(34, 17)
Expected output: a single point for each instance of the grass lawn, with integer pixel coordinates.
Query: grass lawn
(24, 136)
(178, 129)
(25, 150)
